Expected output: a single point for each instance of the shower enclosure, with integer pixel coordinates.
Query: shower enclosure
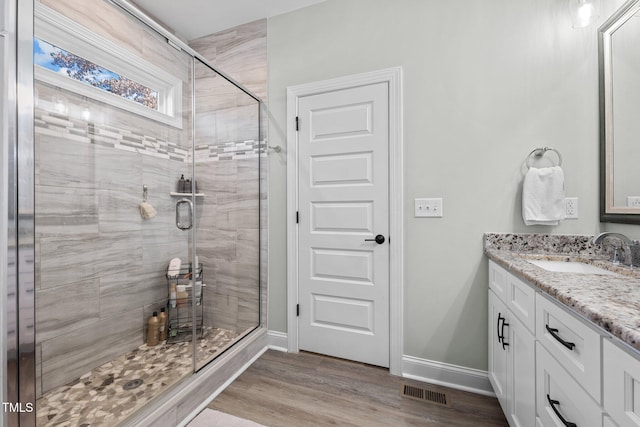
(142, 153)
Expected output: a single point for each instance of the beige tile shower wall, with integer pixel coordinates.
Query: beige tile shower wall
(241, 53)
(99, 265)
(234, 217)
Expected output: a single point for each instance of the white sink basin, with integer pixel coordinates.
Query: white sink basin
(570, 267)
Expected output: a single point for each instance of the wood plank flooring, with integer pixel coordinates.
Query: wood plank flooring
(307, 389)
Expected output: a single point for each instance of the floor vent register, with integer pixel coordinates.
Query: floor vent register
(424, 395)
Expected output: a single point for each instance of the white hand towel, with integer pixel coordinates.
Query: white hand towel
(543, 196)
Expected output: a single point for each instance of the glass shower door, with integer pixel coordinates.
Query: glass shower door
(227, 164)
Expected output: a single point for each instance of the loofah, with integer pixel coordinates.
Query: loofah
(147, 211)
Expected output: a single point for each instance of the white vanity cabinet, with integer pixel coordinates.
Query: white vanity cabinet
(512, 345)
(549, 367)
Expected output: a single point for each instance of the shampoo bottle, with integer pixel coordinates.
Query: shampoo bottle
(181, 188)
(153, 330)
(162, 317)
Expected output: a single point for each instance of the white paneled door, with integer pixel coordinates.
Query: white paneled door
(343, 230)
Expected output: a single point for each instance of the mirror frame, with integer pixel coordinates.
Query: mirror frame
(608, 212)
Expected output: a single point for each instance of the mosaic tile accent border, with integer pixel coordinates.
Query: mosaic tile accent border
(63, 126)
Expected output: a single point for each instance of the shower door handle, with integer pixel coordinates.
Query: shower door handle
(184, 214)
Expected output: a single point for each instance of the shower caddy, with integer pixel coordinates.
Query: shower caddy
(180, 318)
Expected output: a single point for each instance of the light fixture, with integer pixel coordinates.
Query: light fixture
(584, 12)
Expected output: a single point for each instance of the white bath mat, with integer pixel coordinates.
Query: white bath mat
(213, 418)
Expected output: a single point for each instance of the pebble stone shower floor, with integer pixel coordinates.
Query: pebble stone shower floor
(110, 393)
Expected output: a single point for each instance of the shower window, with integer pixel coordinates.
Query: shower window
(70, 56)
(60, 61)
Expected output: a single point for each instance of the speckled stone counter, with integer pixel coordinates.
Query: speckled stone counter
(610, 301)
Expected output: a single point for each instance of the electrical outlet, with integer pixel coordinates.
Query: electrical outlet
(633, 201)
(428, 208)
(571, 207)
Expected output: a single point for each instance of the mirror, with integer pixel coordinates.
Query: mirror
(619, 63)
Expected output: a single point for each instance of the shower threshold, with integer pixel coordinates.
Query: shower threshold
(104, 397)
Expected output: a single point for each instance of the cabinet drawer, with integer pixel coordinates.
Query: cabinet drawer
(621, 385)
(498, 281)
(572, 342)
(559, 395)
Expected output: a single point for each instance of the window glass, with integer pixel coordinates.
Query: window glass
(75, 67)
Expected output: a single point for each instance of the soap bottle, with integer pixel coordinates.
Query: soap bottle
(162, 317)
(153, 330)
(181, 184)
(172, 295)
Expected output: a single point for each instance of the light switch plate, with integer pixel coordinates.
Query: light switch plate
(428, 207)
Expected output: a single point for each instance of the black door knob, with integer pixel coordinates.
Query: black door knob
(379, 239)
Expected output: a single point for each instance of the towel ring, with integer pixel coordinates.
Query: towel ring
(539, 152)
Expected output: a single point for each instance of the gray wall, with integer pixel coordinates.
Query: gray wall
(485, 82)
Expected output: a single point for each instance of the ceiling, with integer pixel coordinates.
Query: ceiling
(196, 18)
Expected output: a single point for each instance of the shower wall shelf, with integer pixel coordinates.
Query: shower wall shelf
(174, 194)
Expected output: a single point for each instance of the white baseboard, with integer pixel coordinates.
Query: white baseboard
(277, 341)
(444, 374)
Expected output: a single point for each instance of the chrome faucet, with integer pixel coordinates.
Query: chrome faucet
(600, 237)
(624, 239)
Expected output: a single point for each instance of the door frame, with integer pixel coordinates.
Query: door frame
(393, 77)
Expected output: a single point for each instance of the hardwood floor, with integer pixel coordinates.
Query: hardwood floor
(307, 389)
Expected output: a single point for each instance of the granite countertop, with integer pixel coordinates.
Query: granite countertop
(610, 301)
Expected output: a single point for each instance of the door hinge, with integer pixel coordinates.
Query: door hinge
(297, 309)
(297, 123)
(297, 217)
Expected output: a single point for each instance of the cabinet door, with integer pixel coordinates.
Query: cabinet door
(521, 374)
(621, 386)
(498, 353)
